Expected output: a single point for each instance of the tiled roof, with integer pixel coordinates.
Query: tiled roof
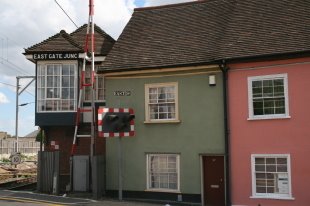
(59, 42)
(206, 31)
(74, 42)
(103, 42)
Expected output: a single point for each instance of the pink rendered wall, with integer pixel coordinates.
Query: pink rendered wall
(273, 136)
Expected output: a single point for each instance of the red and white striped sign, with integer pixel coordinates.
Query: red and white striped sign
(103, 111)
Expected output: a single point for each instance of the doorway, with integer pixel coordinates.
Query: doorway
(213, 180)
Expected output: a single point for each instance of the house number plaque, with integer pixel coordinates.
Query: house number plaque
(122, 93)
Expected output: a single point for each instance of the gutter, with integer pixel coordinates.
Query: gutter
(224, 68)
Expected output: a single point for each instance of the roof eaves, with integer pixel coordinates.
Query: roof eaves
(271, 56)
(103, 70)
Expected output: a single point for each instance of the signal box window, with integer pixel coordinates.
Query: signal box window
(161, 102)
(271, 176)
(56, 87)
(99, 85)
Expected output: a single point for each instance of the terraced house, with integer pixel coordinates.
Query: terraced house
(178, 152)
(215, 84)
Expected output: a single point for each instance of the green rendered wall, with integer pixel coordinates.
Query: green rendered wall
(201, 130)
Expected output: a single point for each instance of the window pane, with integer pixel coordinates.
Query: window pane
(65, 93)
(270, 189)
(49, 81)
(50, 70)
(271, 168)
(71, 81)
(281, 168)
(257, 84)
(72, 93)
(281, 161)
(261, 189)
(56, 81)
(65, 70)
(72, 73)
(270, 160)
(257, 92)
(65, 81)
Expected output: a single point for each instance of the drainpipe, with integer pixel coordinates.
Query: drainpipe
(224, 68)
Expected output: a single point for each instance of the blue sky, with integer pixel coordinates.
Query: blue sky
(28, 22)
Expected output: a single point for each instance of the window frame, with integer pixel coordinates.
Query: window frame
(271, 195)
(176, 103)
(97, 77)
(39, 74)
(148, 188)
(250, 97)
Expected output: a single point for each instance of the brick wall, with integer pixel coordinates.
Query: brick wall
(64, 137)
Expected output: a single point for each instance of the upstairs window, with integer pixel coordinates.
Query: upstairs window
(56, 87)
(99, 85)
(268, 97)
(161, 102)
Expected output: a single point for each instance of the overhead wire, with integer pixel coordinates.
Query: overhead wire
(66, 14)
(11, 85)
(8, 84)
(14, 66)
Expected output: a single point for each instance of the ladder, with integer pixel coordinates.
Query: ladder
(83, 84)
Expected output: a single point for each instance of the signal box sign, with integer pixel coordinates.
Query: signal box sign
(116, 122)
(55, 56)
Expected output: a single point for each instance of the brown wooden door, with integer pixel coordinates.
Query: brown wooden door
(214, 186)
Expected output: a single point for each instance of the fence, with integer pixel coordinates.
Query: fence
(7, 147)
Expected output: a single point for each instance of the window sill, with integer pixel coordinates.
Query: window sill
(162, 121)
(163, 190)
(272, 197)
(268, 117)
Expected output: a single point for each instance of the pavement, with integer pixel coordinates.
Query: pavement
(52, 200)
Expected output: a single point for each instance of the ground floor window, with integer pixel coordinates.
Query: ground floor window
(271, 176)
(163, 172)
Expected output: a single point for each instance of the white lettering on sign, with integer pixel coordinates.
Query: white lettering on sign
(122, 93)
(55, 56)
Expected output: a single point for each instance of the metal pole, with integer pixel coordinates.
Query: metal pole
(17, 104)
(16, 110)
(120, 175)
(91, 13)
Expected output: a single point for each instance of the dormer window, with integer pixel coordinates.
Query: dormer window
(56, 87)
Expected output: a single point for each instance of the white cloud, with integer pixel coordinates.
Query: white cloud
(28, 22)
(3, 99)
